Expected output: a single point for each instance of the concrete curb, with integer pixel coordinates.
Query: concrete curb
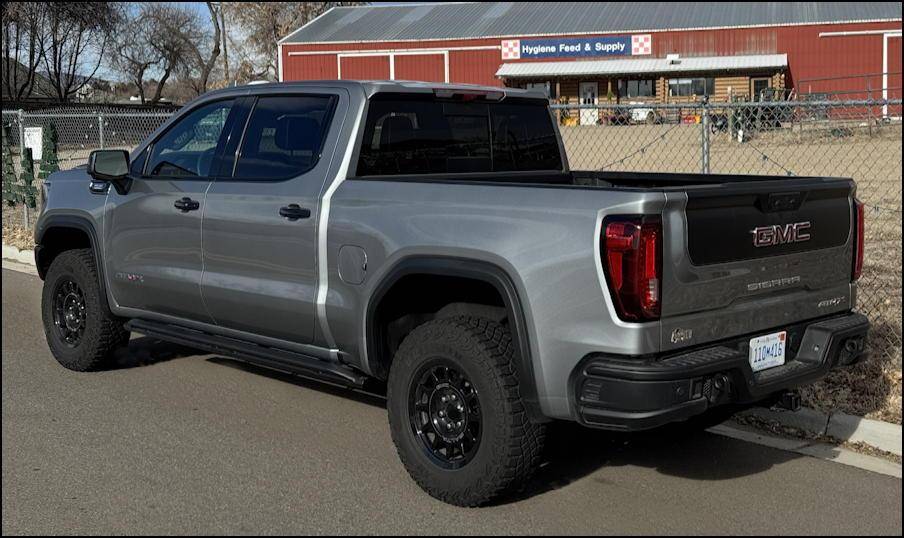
(26, 257)
(818, 450)
(882, 435)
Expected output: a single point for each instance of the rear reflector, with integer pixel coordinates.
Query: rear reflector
(632, 260)
(859, 238)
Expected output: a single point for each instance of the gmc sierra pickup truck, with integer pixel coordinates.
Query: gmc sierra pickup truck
(433, 238)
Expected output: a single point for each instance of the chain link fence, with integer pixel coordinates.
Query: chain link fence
(857, 139)
(77, 132)
(80, 132)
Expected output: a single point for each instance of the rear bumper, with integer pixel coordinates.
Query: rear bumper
(638, 393)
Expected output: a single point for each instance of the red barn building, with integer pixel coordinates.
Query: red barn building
(592, 52)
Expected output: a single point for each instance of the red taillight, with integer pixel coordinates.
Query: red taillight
(858, 247)
(632, 257)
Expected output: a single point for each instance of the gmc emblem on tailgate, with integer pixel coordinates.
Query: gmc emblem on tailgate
(779, 234)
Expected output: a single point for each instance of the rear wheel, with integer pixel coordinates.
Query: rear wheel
(456, 414)
(81, 331)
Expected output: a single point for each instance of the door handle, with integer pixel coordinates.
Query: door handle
(186, 204)
(294, 212)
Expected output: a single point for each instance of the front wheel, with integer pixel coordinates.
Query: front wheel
(81, 331)
(455, 411)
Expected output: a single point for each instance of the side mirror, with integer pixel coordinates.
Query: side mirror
(110, 166)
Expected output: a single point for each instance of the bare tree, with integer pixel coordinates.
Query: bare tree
(22, 47)
(135, 56)
(155, 41)
(173, 31)
(201, 59)
(226, 76)
(75, 39)
(263, 24)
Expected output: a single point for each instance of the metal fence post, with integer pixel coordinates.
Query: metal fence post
(21, 130)
(21, 155)
(100, 129)
(705, 136)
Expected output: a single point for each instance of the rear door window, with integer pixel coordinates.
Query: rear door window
(404, 136)
(284, 137)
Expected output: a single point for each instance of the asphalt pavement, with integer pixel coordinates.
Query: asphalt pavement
(172, 442)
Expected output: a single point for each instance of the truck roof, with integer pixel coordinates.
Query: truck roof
(373, 87)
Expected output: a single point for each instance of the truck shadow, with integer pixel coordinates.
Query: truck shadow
(145, 351)
(373, 394)
(574, 453)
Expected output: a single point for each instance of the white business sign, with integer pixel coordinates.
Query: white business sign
(33, 140)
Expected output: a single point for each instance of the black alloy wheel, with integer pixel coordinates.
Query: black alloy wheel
(70, 312)
(444, 410)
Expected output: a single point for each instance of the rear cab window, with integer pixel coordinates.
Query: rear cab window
(405, 135)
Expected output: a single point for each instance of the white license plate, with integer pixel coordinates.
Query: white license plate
(767, 351)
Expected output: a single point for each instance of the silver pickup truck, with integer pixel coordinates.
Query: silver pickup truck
(433, 238)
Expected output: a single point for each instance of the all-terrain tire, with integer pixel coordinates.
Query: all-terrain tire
(510, 445)
(102, 332)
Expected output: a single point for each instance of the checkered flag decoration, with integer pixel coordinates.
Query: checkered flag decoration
(511, 49)
(641, 45)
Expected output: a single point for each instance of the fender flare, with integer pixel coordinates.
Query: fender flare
(477, 270)
(78, 223)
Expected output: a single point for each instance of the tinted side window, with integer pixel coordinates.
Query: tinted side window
(408, 136)
(187, 149)
(284, 137)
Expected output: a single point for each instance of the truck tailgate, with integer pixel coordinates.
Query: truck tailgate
(748, 256)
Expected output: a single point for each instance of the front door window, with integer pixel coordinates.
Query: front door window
(187, 149)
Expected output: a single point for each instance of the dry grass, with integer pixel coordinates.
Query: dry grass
(14, 232)
(18, 237)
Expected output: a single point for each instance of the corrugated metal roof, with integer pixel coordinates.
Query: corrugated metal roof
(646, 65)
(416, 22)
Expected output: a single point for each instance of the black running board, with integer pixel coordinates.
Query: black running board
(270, 357)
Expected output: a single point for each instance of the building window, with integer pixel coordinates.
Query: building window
(637, 88)
(683, 87)
(546, 87)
